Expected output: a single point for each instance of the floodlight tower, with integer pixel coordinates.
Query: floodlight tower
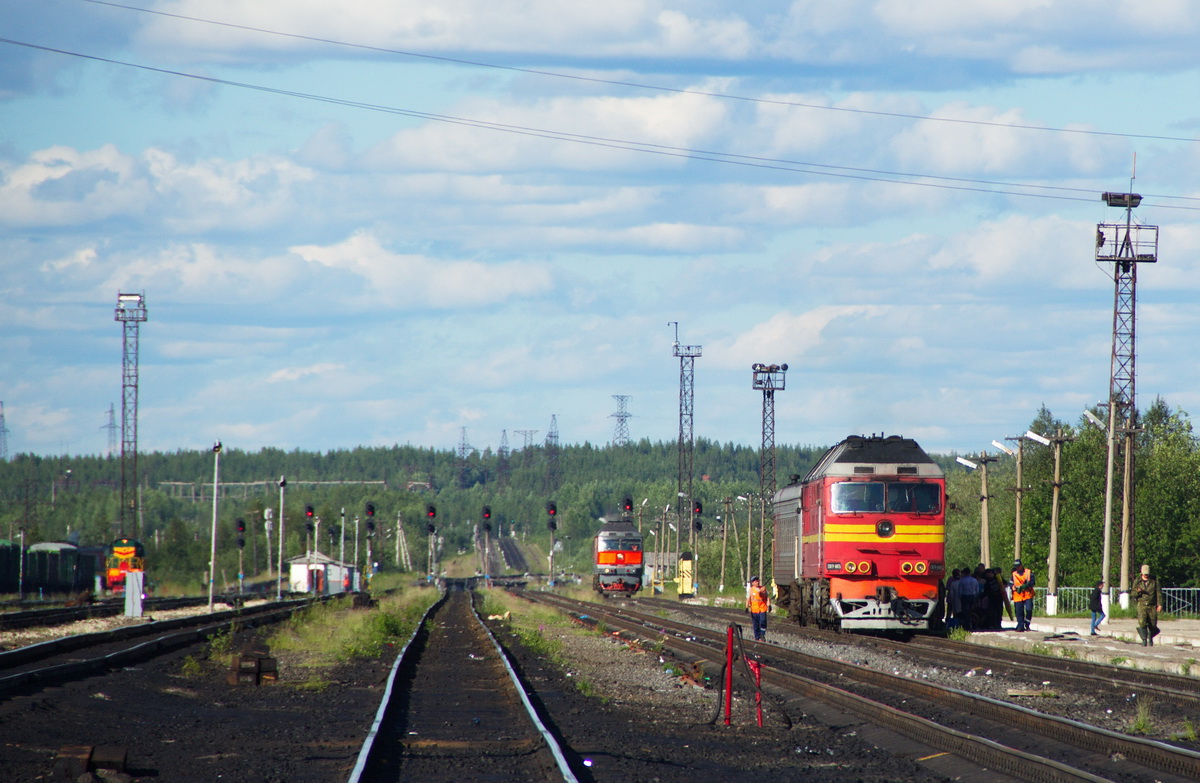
(131, 312)
(1125, 245)
(769, 378)
(687, 372)
(621, 433)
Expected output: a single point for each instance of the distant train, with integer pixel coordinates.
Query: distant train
(48, 567)
(123, 556)
(860, 541)
(618, 558)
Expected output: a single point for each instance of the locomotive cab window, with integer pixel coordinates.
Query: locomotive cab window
(619, 545)
(914, 498)
(857, 497)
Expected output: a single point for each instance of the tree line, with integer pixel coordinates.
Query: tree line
(77, 498)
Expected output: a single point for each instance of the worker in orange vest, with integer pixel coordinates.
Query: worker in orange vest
(758, 603)
(1022, 594)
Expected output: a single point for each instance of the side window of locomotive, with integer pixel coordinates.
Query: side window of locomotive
(914, 498)
(857, 497)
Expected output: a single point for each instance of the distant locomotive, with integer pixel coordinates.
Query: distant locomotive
(860, 541)
(618, 558)
(123, 555)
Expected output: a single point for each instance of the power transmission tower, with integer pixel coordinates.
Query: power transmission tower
(1125, 245)
(527, 451)
(503, 468)
(3, 435)
(553, 475)
(130, 312)
(687, 372)
(111, 426)
(621, 433)
(464, 450)
(769, 378)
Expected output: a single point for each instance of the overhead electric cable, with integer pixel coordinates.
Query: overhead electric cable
(843, 172)
(641, 85)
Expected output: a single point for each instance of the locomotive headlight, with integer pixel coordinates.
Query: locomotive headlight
(921, 567)
(885, 528)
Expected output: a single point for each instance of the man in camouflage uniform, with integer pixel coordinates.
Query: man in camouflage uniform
(1148, 597)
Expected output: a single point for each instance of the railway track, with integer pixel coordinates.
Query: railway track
(455, 709)
(1021, 743)
(1180, 691)
(86, 655)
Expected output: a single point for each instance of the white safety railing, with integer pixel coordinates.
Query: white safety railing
(1177, 601)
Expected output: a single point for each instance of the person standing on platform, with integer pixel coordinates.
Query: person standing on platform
(759, 606)
(1022, 594)
(1097, 606)
(1148, 597)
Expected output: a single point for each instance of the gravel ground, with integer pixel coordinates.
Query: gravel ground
(1116, 711)
(634, 718)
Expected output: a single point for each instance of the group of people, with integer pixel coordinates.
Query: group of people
(975, 598)
(1147, 598)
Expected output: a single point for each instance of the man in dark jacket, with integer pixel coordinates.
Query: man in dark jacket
(1096, 604)
(1148, 597)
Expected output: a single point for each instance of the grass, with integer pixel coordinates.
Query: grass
(1186, 667)
(1119, 660)
(1067, 652)
(1143, 722)
(191, 667)
(958, 634)
(329, 633)
(529, 623)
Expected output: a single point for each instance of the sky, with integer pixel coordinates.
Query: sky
(364, 223)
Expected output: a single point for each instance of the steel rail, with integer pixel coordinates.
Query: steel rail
(1151, 753)
(140, 651)
(1183, 692)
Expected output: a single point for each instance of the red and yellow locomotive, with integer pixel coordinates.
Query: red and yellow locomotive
(618, 562)
(123, 555)
(860, 541)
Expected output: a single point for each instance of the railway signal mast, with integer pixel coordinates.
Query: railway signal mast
(1124, 245)
(130, 312)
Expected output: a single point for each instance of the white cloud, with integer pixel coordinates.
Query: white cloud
(413, 280)
(290, 374)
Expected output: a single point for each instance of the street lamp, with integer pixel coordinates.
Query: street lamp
(279, 581)
(1110, 435)
(985, 533)
(1052, 583)
(212, 559)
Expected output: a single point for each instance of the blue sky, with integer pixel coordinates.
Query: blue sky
(322, 275)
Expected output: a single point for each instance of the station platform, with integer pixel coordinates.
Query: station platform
(1176, 649)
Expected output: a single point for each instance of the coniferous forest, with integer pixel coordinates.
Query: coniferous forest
(78, 498)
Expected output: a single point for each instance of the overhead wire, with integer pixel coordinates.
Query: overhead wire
(761, 162)
(641, 85)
